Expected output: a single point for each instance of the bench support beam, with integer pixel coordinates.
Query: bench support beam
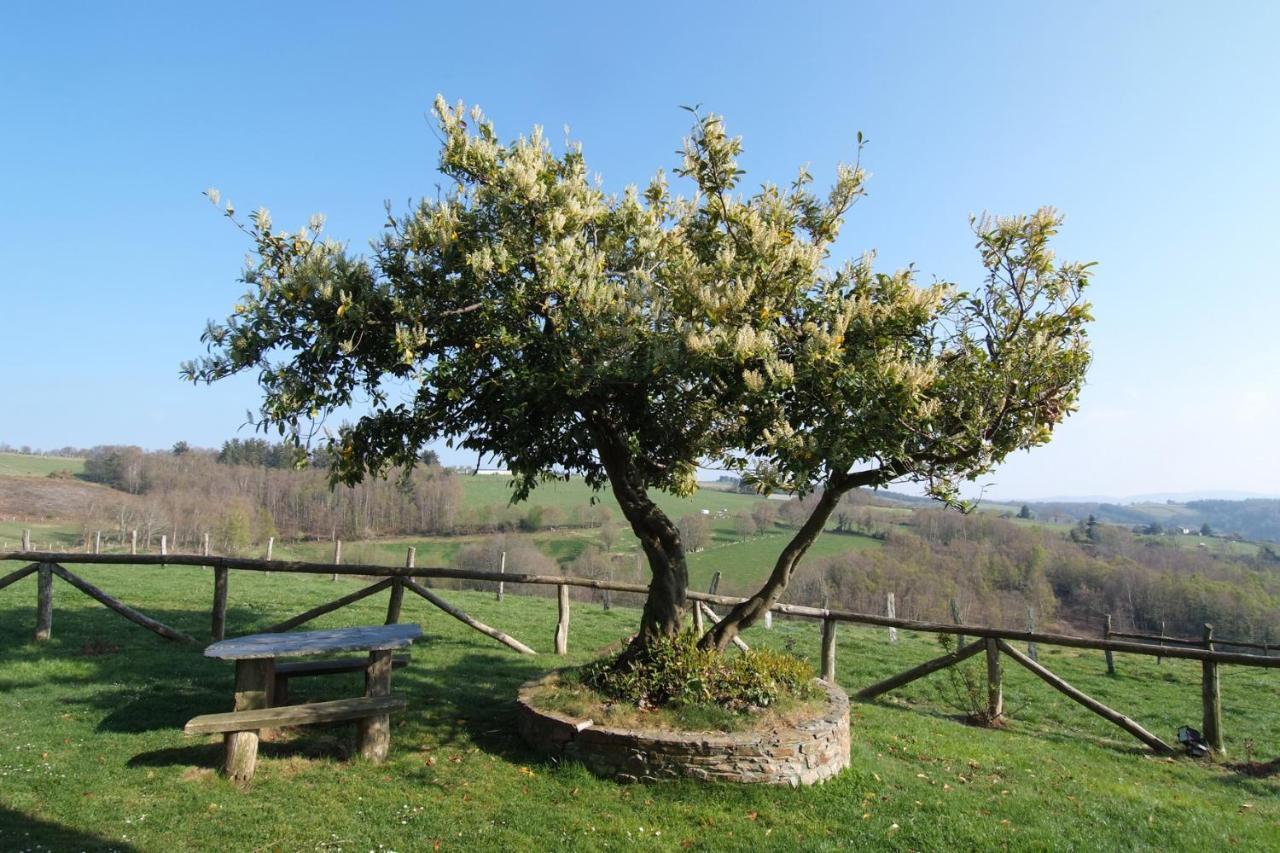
(254, 678)
(374, 733)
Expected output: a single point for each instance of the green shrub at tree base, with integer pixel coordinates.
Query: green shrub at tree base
(674, 671)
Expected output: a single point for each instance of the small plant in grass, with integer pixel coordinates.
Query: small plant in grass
(967, 685)
(674, 671)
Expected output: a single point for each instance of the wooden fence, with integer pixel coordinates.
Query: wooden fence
(994, 642)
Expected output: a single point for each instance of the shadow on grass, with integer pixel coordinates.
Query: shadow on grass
(315, 742)
(23, 832)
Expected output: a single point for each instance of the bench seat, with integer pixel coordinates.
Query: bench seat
(333, 711)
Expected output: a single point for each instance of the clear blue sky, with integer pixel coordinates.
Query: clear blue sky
(1154, 127)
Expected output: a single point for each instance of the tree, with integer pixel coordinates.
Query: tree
(695, 531)
(525, 314)
(1025, 512)
(181, 448)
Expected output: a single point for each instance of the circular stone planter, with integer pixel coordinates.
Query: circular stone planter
(804, 753)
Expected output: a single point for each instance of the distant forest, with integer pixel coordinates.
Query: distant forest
(1061, 564)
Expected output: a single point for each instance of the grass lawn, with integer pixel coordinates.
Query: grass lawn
(92, 755)
(24, 465)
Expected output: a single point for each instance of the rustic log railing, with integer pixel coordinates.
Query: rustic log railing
(396, 579)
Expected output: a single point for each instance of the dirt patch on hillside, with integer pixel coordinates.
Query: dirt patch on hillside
(49, 498)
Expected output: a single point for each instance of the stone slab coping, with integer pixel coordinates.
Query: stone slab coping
(371, 638)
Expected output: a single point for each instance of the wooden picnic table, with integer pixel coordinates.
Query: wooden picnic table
(260, 680)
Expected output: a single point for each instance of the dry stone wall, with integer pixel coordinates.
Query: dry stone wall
(805, 753)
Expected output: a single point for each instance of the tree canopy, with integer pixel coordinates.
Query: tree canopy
(524, 313)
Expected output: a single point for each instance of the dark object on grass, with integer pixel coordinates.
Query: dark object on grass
(1193, 741)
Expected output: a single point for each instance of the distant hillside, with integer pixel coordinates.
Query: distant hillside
(1256, 519)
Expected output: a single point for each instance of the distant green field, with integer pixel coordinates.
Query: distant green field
(22, 465)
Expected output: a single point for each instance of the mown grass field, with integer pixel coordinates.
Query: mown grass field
(24, 465)
(92, 756)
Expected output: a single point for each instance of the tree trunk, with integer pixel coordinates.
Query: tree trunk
(659, 538)
(746, 614)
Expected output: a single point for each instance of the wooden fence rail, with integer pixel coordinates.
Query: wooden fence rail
(396, 579)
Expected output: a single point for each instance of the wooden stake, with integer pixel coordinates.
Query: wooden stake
(995, 689)
(1111, 660)
(955, 617)
(164, 545)
(562, 624)
(715, 584)
(467, 620)
(502, 570)
(699, 627)
(120, 607)
(1032, 652)
(890, 610)
(44, 602)
(18, 575)
(374, 733)
(829, 651)
(397, 589)
(205, 545)
(921, 671)
(1211, 696)
(329, 607)
(133, 542)
(97, 542)
(1160, 659)
(219, 627)
(1092, 704)
(26, 540)
(271, 544)
(337, 556)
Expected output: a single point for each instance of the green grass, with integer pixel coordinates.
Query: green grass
(23, 465)
(92, 756)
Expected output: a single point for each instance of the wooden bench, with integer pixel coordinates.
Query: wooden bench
(333, 666)
(333, 711)
(259, 670)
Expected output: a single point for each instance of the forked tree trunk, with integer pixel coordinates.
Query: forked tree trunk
(659, 538)
(746, 614)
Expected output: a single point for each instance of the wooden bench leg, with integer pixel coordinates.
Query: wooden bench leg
(253, 690)
(375, 731)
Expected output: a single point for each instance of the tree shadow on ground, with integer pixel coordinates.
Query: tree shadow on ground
(23, 832)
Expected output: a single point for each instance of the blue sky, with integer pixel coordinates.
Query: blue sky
(1153, 127)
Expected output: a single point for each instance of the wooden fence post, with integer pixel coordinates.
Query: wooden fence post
(955, 617)
(1032, 652)
(699, 627)
(715, 584)
(26, 540)
(1159, 659)
(995, 688)
(1111, 659)
(502, 570)
(164, 545)
(562, 625)
(606, 598)
(829, 651)
(891, 610)
(133, 541)
(1211, 694)
(397, 588)
(271, 544)
(44, 603)
(337, 556)
(219, 627)
(768, 620)
(204, 546)
(97, 542)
